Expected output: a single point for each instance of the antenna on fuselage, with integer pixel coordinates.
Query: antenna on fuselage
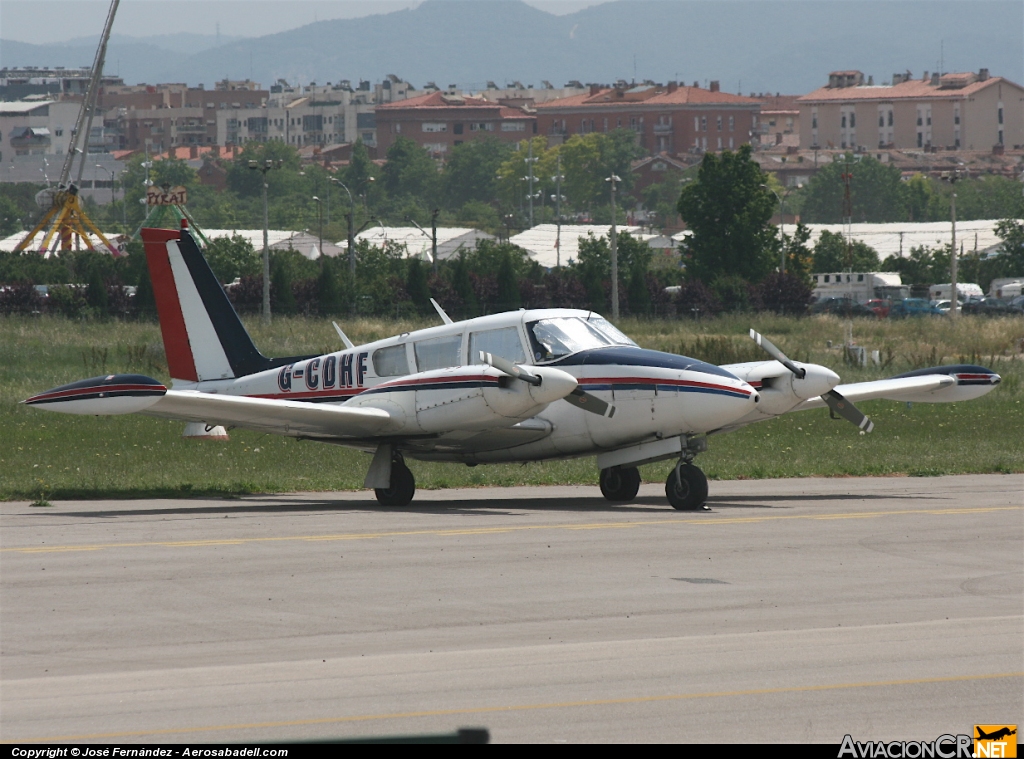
(440, 312)
(343, 336)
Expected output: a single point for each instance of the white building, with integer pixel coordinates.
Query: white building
(418, 243)
(898, 238)
(549, 247)
(36, 128)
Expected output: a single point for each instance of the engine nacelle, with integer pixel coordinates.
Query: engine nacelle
(464, 398)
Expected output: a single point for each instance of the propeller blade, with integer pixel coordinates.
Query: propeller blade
(838, 405)
(584, 400)
(768, 347)
(512, 370)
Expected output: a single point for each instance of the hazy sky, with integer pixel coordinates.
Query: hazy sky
(41, 21)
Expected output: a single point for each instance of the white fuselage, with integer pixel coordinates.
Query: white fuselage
(446, 404)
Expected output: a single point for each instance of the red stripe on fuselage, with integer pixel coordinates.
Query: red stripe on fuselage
(180, 361)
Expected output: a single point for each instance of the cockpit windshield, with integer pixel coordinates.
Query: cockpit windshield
(554, 338)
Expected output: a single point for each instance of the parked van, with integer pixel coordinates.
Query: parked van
(964, 290)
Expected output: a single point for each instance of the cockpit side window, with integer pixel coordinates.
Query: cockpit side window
(554, 338)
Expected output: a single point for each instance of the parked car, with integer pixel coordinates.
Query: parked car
(944, 306)
(913, 307)
(990, 307)
(880, 306)
(841, 307)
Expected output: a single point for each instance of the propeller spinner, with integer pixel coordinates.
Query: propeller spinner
(578, 397)
(837, 404)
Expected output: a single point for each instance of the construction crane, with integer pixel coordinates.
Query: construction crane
(65, 220)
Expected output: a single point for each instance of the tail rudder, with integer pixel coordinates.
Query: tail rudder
(203, 337)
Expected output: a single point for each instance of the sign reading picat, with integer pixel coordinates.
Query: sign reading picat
(173, 196)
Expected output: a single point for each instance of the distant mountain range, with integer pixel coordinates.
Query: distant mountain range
(787, 46)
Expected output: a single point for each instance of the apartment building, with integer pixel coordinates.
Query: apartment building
(438, 121)
(36, 128)
(668, 118)
(971, 111)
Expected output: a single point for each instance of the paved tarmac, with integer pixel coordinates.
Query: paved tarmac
(796, 610)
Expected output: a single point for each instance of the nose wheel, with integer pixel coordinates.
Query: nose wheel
(402, 487)
(686, 487)
(620, 484)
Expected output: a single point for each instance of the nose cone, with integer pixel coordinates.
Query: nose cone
(818, 381)
(555, 384)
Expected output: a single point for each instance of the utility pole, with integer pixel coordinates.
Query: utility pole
(351, 227)
(615, 252)
(954, 299)
(320, 223)
(433, 237)
(557, 197)
(266, 166)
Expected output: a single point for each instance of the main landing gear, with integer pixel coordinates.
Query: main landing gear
(620, 484)
(686, 487)
(402, 487)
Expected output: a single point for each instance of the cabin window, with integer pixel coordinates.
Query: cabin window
(501, 342)
(391, 361)
(827, 277)
(439, 353)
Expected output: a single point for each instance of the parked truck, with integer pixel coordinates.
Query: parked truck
(860, 286)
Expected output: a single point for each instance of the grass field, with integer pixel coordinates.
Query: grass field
(62, 456)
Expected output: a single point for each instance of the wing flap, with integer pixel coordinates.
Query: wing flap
(268, 415)
(897, 389)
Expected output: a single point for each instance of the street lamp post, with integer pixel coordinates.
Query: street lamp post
(351, 226)
(263, 168)
(530, 160)
(557, 197)
(615, 251)
(782, 218)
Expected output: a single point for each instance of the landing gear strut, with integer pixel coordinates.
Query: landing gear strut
(620, 484)
(686, 487)
(402, 487)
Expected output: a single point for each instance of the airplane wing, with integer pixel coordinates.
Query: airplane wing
(924, 389)
(268, 415)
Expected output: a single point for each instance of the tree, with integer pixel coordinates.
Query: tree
(410, 172)
(96, 293)
(471, 173)
(232, 257)
(923, 266)
(329, 301)
(359, 172)
(729, 211)
(416, 285)
(830, 254)
(876, 192)
(799, 258)
(508, 282)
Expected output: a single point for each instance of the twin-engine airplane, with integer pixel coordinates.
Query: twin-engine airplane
(520, 386)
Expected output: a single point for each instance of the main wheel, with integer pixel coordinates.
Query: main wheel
(402, 489)
(687, 491)
(620, 484)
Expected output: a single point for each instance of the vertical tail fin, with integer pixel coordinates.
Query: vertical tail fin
(203, 337)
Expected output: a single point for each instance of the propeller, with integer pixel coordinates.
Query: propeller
(768, 347)
(838, 405)
(578, 397)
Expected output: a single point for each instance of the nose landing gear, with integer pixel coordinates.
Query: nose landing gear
(686, 487)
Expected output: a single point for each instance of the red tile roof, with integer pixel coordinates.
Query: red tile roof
(915, 89)
(658, 96)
